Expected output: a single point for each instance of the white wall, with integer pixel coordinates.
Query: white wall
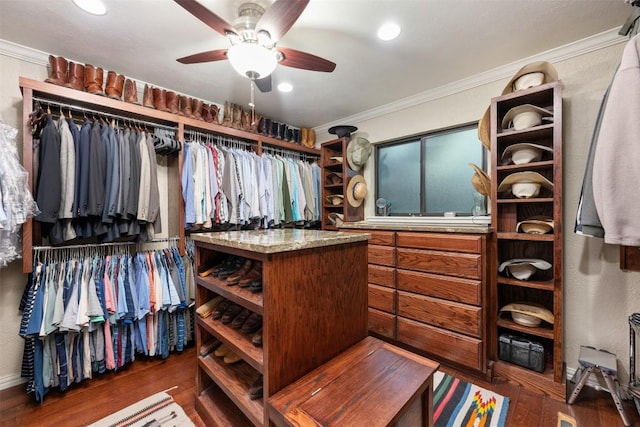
(598, 295)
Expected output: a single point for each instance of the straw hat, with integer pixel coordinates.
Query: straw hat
(356, 191)
(528, 314)
(524, 184)
(335, 199)
(524, 152)
(535, 225)
(524, 116)
(480, 180)
(518, 82)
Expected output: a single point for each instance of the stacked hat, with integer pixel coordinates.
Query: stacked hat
(524, 152)
(523, 268)
(530, 75)
(525, 184)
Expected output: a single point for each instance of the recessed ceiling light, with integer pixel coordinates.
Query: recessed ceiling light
(285, 87)
(94, 7)
(388, 31)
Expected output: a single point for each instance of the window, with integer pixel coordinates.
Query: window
(429, 174)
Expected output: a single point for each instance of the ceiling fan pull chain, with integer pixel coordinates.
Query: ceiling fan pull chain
(252, 104)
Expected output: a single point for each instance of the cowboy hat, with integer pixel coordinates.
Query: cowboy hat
(524, 185)
(549, 75)
(335, 199)
(480, 180)
(525, 152)
(535, 225)
(528, 314)
(356, 191)
(523, 268)
(342, 130)
(336, 219)
(334, 178)
(524, 116)
(358, 151)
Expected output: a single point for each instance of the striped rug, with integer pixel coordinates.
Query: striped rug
(457, 403)
(154, 411)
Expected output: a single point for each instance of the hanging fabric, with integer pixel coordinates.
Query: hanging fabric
(16, 201)
(89, 310)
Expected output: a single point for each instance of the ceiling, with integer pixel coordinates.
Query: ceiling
(442, 41)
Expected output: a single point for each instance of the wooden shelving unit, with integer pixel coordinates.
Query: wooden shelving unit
(545, 287)
(307, 318)
(331, 150)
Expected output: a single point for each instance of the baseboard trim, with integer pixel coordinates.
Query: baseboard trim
(9, 381)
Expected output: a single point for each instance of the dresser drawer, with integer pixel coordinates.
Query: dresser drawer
(384, 238)
(382, 298)
(441, 241)
(450, 315)
(381, 275)
(382, 323)
(449, 288)
(448, 263)
(449, 345)
(383, 255)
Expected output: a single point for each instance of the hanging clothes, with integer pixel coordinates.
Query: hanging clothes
(16, 201)
(615, 171)
(92, 313)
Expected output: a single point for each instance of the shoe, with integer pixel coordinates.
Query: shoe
(234, 278)
(215, 114)
(58, 71)
(160, 99)
(231, 357)
(239, 320)
(226, 114)
(256, 339)
(115, 85)
(221, 309)
(131, 92)
(255, 390)
(231, 313)
(147, 96)
(172, 102)
(252, 275)
(256, 286)
(222, 351)
(196, 108)
(93, 79)
(76, 76)
(252, 324)
(209, 347)
(206, 309)
(234, 264)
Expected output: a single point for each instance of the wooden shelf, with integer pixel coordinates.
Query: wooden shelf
(216, 409)
(235, 293)
(532, 284)
(525, 236)
(543, 332)
(239, 342)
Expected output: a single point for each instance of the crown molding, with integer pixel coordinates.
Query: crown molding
(562, 53)
(23, 53)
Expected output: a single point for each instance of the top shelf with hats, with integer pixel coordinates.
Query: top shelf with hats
(526, 197)
(343, 185)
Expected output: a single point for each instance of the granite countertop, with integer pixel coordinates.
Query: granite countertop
(416, 226)
(280, 240)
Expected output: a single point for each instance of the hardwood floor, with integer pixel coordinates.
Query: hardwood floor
(91, 400)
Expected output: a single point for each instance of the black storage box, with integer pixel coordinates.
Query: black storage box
(521, 351)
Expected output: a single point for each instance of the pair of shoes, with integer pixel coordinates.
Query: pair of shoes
(222, 351)
(231, 357)
(252, 275)
(231, 313)
(221, 309)
(252, 324)
(234, 278)
(230, 266)
(239, 320)
(207, 308)
(255, 390)
(256, 340)
(256, 285)
(208, 347)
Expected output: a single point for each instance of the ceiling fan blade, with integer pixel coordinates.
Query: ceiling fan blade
(306, 61)
(280, 16)
(208, 56)
(206, 16)
(264, 84)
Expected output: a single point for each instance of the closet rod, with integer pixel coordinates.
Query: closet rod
(81, 109)
(98, 245)
(291, 153)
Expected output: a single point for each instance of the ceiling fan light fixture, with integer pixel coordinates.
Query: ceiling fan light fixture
(388, 31)
(94, 7)
(252, 60)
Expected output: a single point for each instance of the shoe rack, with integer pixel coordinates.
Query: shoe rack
(83, 100)
(544, 287)
(336, 174)
(301, 313)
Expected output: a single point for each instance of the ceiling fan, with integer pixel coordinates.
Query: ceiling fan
(253, 37)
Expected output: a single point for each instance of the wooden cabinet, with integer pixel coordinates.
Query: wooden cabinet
(335, 180)
(78, 102)
(313, 304)
(544, 287)
(428, 290)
